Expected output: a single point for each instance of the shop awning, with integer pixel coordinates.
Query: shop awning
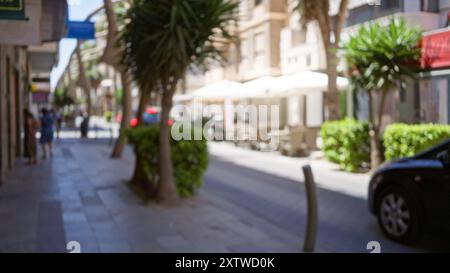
(265, 87)
(295, 84)
(218, 91)
(182, 98)
(304, 82)
(259, 88)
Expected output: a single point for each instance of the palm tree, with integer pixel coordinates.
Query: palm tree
(94, 74)
(83, 79)
(112, 56)
(318, 11)
(163, 38)
(379, 58)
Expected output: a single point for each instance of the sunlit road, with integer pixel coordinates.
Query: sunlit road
(345, 225)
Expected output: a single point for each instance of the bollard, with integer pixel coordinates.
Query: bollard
(311, 225)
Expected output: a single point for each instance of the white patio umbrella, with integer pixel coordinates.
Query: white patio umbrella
(259, 88)
(219, 91)
(304, 82)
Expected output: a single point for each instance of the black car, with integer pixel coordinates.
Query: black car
(411, 196)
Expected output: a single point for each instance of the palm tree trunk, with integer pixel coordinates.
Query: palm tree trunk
(139, 177)
(126, 116)
(89, 103)
(167, 192)
(145, 97)
(372, 133)
(376, 155)
(376, 150)
(84, 80)
(332, 96)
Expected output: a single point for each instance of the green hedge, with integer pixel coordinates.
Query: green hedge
(190, 159)
(346, 143)
(402, 140)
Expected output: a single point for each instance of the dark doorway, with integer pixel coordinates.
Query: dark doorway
(18, 113)
(1, 121)
(9, 123)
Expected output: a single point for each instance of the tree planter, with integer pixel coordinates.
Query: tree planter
(190, 160)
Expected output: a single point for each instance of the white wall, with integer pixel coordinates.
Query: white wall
(23, 32)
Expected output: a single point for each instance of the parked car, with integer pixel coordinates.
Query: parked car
(151, 116)
(411, 196)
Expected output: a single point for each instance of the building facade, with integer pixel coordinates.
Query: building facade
(28, 51)
(424, 100)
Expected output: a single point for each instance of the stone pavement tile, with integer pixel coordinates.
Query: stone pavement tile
(97, 213)
(143, 220)
(49, 194)
(85, 238)
(109, 237)
(116, 202)
(91, 201)
(272, 246)
(245, 231)
(78, 231)
(72, 207)
(18, 247)
(74, 218)
(50, 228)
(88, 193)
(68, 192)
(114, 247)
(147, 247)
(175, 243)
(210, 246)
(15, 237)
(246, 247)
(171, 242)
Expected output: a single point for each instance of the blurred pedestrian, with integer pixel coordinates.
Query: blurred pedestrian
(84, 126)
(46, 133)
(31, 126)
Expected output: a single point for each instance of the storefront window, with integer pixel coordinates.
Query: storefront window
(434, 100)
(429, 5)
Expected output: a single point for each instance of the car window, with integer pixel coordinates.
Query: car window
(436, 152)
(444, 156)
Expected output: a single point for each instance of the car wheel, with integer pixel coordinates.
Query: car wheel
(398, 215)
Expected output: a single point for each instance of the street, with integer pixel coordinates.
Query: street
(240, 209)
(345, 224)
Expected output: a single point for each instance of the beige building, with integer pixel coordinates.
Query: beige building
(257, 54)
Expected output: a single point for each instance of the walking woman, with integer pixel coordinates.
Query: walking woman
(31, 127)
(46, 132)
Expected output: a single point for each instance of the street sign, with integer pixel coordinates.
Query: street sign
(81, 30)
(436, 50)
(12, 10)
(40, 97)
(40, 87)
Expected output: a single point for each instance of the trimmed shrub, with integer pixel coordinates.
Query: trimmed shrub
(346, 143)
(189, 157)
(402, 140)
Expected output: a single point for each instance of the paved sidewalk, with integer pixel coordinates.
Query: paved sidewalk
(81, 195)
